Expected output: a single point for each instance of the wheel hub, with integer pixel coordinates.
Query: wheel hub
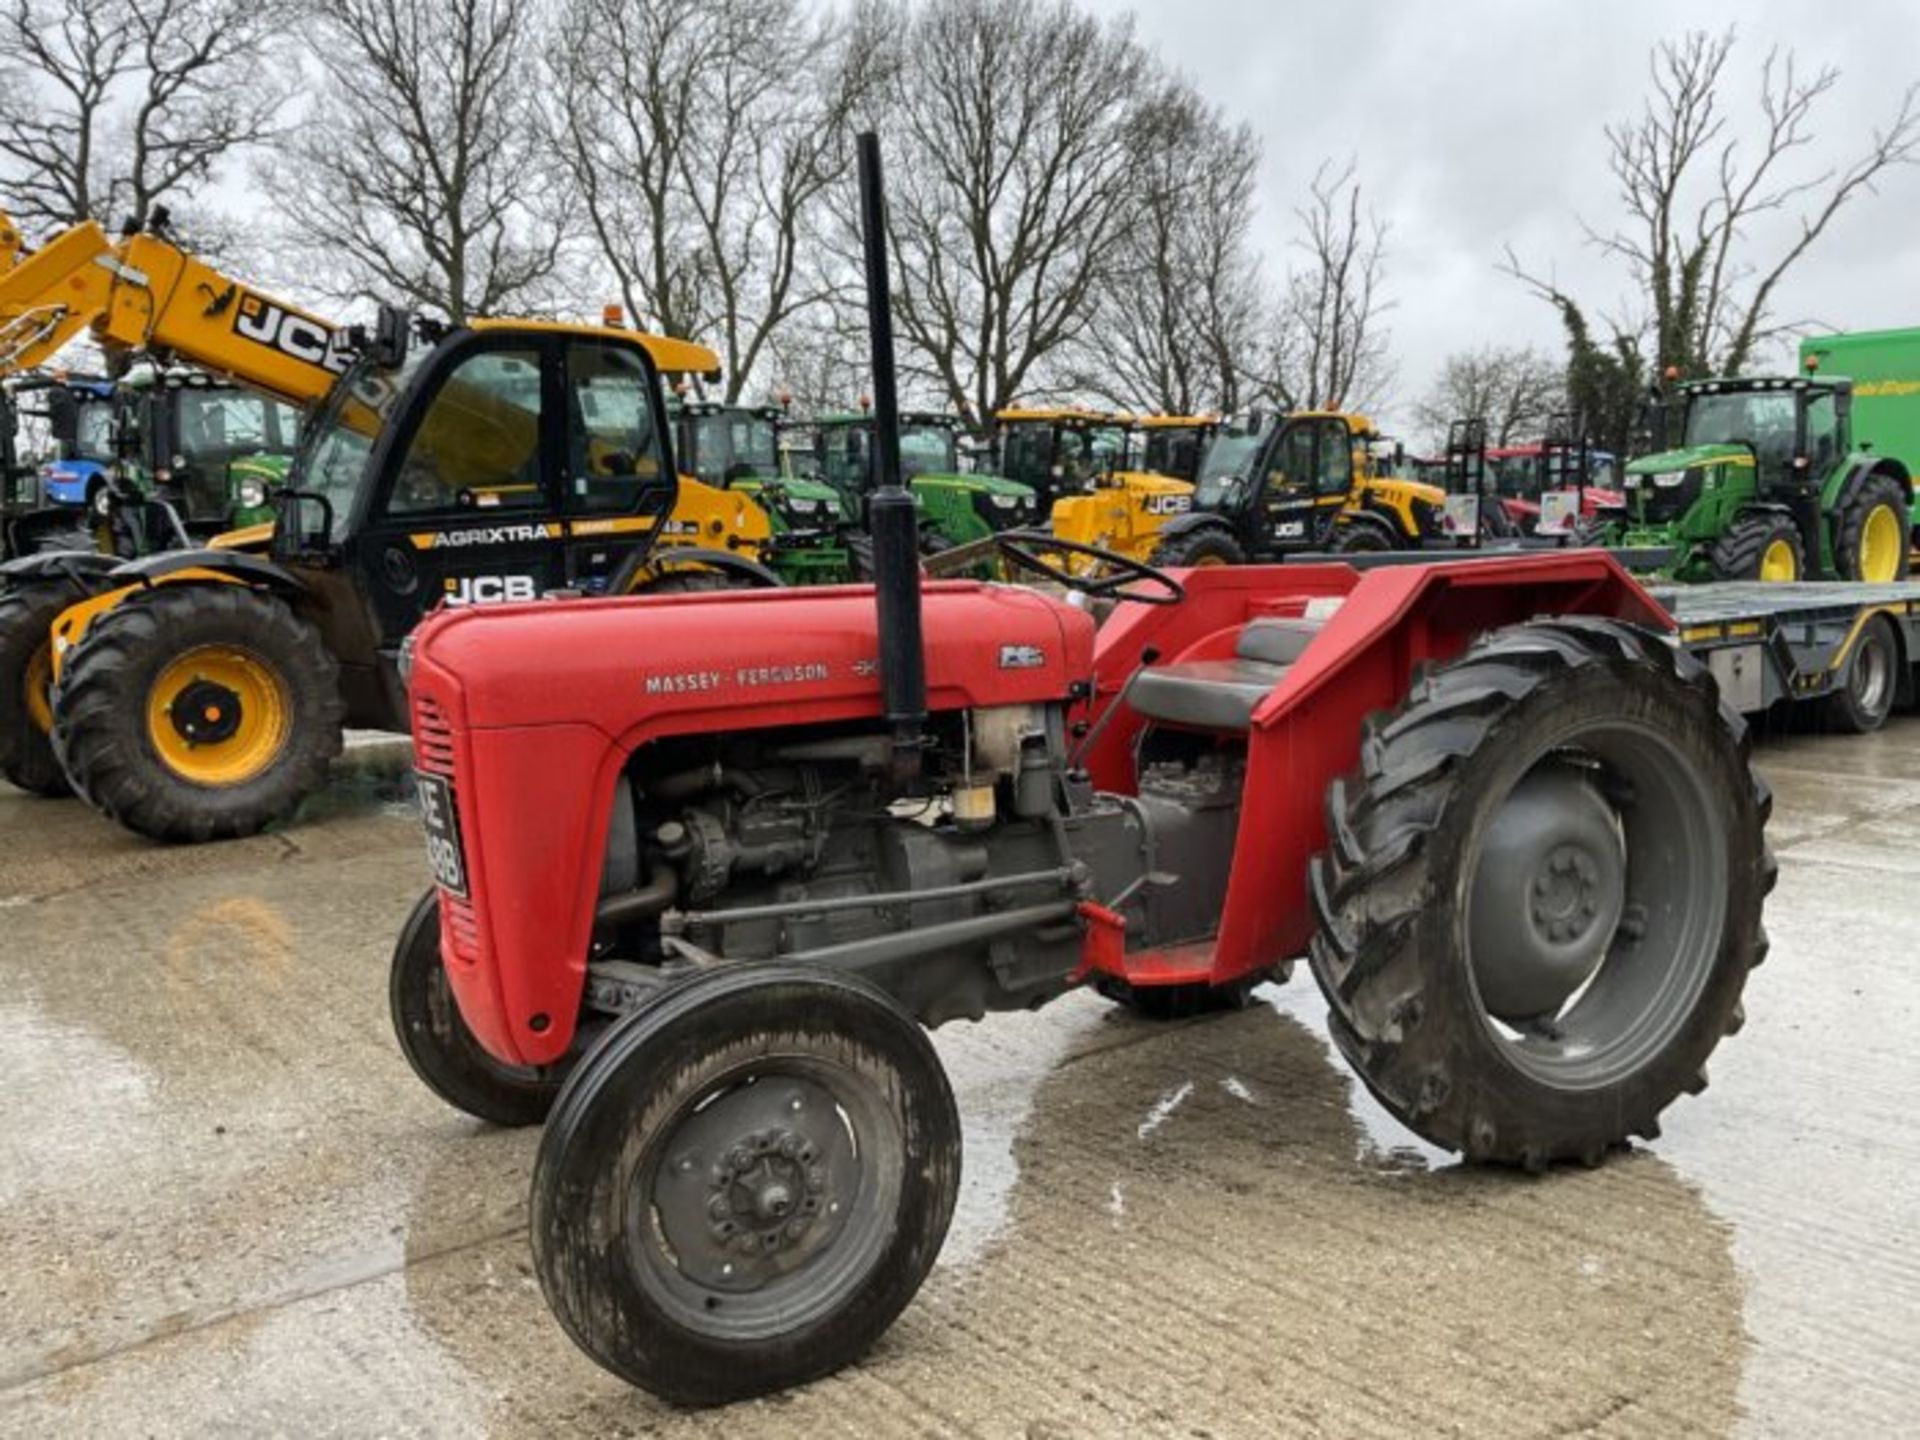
(1548, 892)
(205, 712)
(767, 1192)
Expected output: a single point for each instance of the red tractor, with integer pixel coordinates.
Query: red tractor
(709, 864)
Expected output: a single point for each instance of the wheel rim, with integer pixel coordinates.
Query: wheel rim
(1880, 545)
(1870, 676)
(1777, 561)
(38, 683)
(1596, 905)
(1208, 562)
(218, 715)
(769, 1199)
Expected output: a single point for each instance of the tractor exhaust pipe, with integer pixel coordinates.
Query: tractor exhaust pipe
(891, 517)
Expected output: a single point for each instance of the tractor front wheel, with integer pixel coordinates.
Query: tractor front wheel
(745, 1182)
(198, 712)
(1360, 537)
(1870, 539)
(1760, 546)
(1542, 893)
(1207, 545)
(437, 1043)
(26, 681)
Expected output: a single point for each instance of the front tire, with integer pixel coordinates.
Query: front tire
(744, 1184)
(1760, 546)
(26, 681)
(1870, 540)
(1195, 548)
(1361, 537)
(1542, 893)
(437, 1043)
(198, 712)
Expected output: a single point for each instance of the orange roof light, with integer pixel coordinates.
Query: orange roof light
(1812, 362)
(613, 316)
(866, 402)
(1673, 372)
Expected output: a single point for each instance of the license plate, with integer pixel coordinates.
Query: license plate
(443, 834)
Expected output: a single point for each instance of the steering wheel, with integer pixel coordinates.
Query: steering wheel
(1019, 547)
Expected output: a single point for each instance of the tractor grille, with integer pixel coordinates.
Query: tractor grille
(433, 752)
(1662, 503)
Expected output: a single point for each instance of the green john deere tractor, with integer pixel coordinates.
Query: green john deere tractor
(955, 509)
(737, 447)
(1769, 481)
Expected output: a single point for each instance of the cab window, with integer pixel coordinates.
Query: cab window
(478, 447)
(613, 445)
(1292, 468)
(1333, 473)
(1823, 434)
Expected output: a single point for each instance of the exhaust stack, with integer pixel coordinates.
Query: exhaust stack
(891, 516)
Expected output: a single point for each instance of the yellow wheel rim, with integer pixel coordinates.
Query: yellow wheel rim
(1208, 562)
(39, 684)
(1880, 545)
(1777, 563)
(218, 715)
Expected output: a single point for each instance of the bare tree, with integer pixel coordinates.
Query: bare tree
(1695, 193)
(1012, 161)
(699, 134)
(1329, 348)
(108, 105)
(416, 177)
(1182, 307)
(1514, 389)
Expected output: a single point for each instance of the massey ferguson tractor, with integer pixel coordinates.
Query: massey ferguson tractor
(708, 865)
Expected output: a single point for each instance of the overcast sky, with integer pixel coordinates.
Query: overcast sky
(1478, 124)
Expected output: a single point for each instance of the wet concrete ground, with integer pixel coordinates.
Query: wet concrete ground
(226, 1206)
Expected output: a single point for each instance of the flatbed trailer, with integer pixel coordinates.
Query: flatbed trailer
(1769, 643)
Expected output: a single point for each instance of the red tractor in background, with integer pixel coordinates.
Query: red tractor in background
(707, 866)
(1559, 488)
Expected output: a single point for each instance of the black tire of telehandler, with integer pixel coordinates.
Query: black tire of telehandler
(437, 1043)
(860, 557)
(1865, 696)
(1742, 547)
(27, 760)
(1849, 526)
(100, 711)
(1360, 537)
(1191, 548)
(684, 582)
(1390, 950)
(621, 1114)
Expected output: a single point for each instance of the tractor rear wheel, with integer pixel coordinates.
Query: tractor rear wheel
(26, 681)
(1542, 892)
(437, 1043)
(1870, 540)
(1759, 546)
(1208, 545)
(1867, 689)
(745, 1182)
(198, 712)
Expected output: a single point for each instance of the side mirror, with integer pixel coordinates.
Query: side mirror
(390, 337)
(302, 522)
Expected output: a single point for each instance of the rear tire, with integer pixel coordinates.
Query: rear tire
(178, 755)
(1867, 690)
(1542, 892)
(745, 1182)
(437, 1043)
(1759, 546)
(26, 678)
(1207, 545)
(1870, 540)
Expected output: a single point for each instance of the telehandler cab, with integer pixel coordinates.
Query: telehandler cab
(706, 865)
(1284, 484)
(199, 694)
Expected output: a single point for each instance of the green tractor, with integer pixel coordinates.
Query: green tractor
(1769, 481)
(737, 447)
(217, 451)
(955, 508)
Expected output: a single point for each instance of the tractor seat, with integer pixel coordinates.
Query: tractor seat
(1222, 694)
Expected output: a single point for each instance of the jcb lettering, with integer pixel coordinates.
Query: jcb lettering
(489, 589)
(1290, 529)
(1169, 504)
(299, 336)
